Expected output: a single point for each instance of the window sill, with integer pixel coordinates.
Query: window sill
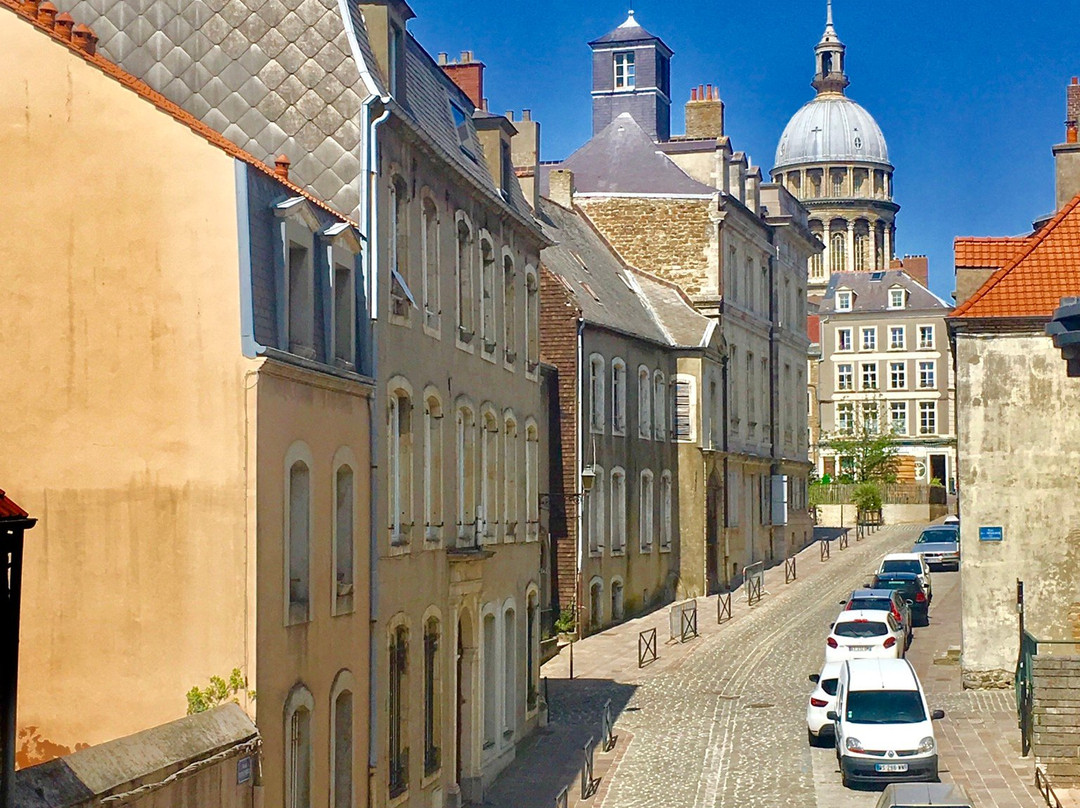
(664, 549)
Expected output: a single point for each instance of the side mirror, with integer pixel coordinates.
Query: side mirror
(909, 601)
(843, 603)
(832, 716)
(815, 678)
(832, 626)
(937, 715)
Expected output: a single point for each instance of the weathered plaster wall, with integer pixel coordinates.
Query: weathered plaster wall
(1019, 446)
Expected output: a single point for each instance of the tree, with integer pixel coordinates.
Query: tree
(872, 450)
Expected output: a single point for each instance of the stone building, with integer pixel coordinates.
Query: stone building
(832, 156)
(190, 413)
(1018, 435)
(887, 363)
(694, 212)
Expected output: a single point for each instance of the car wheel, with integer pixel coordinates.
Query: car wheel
(811, 738)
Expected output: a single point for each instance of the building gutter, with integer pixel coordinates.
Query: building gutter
(580, 501)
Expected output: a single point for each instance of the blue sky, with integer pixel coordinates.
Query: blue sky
(970, 97)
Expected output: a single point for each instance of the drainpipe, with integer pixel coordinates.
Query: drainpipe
(580, 467)
(369, 220)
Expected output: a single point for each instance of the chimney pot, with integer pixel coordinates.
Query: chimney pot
(1076, 80)
(693, 93)
(84, 39)
(526, 114)
(466, 57)
(484, 104)
(64, 23)
(47, 14)
(1070, 132)
(701, 92)
(281, 167)
(30, 8)
(561, 187)
(442, 58)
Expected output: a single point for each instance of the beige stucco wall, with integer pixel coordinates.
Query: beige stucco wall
(1019, 446)
(122, 426)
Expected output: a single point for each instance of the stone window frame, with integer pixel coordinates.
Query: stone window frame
(434, 462)
(431, 263)
(927, 374)
(400, 461)
(490, 456)
(644, 402)
(659, 405)
(299, 698)
(402, 300)
(646, 511)
(511, 463)
(894, 344)
(465, 429)
(299, 453)
(432, 689)
(297, 225)
(344, 682)
(624, 70)
(343, 246)
(597, 522)
(465, 281)
(509, 310)
(894, 407)
(898, 375)
(894, 293)
(344, 592)
(871, 343)
(931, 344)
(618, 496)
(532, 480)
(618, 397)
(845, 299)
(666, 510)
(487, 293)
(845, 376)
(840, 335)
(597, 384)
(532, 322)
(868, 376)
(928, 418)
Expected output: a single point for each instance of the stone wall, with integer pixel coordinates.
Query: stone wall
(1056, 739)
(678, 251)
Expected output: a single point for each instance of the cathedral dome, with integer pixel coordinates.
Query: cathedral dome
(831, 129)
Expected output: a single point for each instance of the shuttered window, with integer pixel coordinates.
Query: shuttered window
(684, 391)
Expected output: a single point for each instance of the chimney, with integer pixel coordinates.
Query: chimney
(914, 266)
(561, 187)
(753, 189)
(281, 167)
(468, 74)
(1067, 154)
(47, 14)
(64, 23)
(705, 113)
(84, 39)
(525, 154)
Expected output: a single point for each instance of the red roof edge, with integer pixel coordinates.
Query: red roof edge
(9, 510)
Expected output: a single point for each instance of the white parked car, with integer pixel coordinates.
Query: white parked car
(821, 701)
(882, 723)
(864, 634)
(909, 562)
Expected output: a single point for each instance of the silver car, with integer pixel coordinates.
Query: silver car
(939, 546)
(915, 795)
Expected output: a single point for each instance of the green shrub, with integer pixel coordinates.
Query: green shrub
(219, 691)
(867, 497)
(565, 623)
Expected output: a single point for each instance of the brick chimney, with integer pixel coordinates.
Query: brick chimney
(914, 266)
(468, 74)
(705, 113)
(561, 187)
(1067, 154)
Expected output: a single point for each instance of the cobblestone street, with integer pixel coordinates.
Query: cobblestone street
(719, 721)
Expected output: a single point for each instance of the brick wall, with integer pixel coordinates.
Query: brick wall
(559, 315)
(1057, 719)
(668, 237)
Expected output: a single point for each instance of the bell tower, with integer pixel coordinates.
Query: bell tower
(830, 76)
(632, 74)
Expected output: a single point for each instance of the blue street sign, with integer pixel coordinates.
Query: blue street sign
(991, 534)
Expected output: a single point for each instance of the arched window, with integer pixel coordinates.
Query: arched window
(344, 530)
(510, 669)
(596, 603)
(596, 393)
(432, 700)
(532, 320)
(751, 302)
(618, 397)
(299, 542)
(399, 463)
(659, 407)
(430, 248)
(490, 653)
(838, 252)
(665, 511)
(646, 522)
(341, 741)
(464, 271)
(616, 599)
(862, 251)
(644, 393)
(398, 719)
(466, 476)
(489, 477)
(433, 466)
(511, 493)
(618, 511)
(597, 523)
(487, 294)
(509, 310)
(298, 758)
(400, 292)
(532, 481)
(531, 649)
(733, 274)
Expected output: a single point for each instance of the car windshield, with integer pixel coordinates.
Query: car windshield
(870, 604)
(936, 536)
(885, 707)
(901, 565)
(860, 628)
(829, 686)
(899, 584)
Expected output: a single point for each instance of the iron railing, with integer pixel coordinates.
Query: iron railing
(723, 607)
(754, 577)
(607, 728)
(688, 623)
(646, 647)
(588, 782)
(790, 570)
(1042, 785)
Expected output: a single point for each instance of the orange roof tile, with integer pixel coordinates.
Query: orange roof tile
(984, 253)
(1032, 283)
(46, 22)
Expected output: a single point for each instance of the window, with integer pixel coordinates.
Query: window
(843, 339)
(845, 418)
(816, 269)
(897, 298)
(659, 404)
(532, 479)
(489, 478)
(396, 60)
(663, 75)
(532, 321)
(487, 295)
(618, 511)
(927, 417)
(869, 339)
(596, 504)
(432, 703)
(646, 522)
(461, 125)
(735, 409)
(926, 337)
(344, 510)
(509, 311)
(665, 511)
(898, 417)
(625, 78)
(531, 649)
(751, 390)
(509, 673)
(845, 377)
(400, 292)
(733, 264)
(301, 308)
(862, 248)
(510, 477)
(684, 409)
(838, 252)
(843, 301)
(399, 465)
(897, 375)
(299, 526)
(342, 750)
(298, 758)
(897, 340)
(344, 313)
(596, 393)
(618, 397)
(466, 476)
(644, 403)
(617, 600)
(837, 183)
(397, 723)
(927, 375)
(433, 465)
(429, 247)
(491, 679)
(464, 271)
(871, 417)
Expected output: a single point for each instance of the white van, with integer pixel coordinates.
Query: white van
(882, 723)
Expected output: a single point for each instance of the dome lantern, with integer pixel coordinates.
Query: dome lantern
(830, 76)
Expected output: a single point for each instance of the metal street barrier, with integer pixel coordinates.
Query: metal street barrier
(588, 784)
(607, 728)
(723, 607)
(646, 647)
(677, 619)
(689, 623)
(563, 800)
(1044, 788)
(826, 551)
(844, 543)
(754, 576)
(790, 571)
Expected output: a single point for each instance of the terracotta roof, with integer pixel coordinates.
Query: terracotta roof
(81, 41)
(1032, 284)
(984, 253)
(9, 510)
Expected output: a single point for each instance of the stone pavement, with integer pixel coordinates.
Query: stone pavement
(719, 720)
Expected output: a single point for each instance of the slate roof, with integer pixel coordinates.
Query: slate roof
(623, 159)
(629, 31)
(986, 253)
(873, 295)
(609, 293)
(1032, 284)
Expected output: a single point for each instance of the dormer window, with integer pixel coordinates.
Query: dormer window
(461, 125)
(296, 312)
(397, 62)
(897, 298)
(625, 76)
(844, 300)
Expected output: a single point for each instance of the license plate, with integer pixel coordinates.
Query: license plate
(860, 647)
(890, 767)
